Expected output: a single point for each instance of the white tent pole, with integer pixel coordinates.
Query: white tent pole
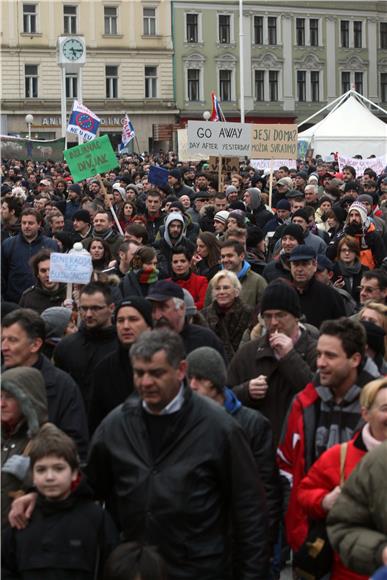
(324, 108)
(370, 102)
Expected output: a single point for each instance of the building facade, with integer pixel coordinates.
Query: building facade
(128, 69)
(298, 56)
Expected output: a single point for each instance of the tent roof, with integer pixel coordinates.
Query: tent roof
(351, 119)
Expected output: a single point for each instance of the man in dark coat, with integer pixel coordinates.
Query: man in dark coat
(44, 294)
(23, 339)
(78, 353)
(112, 378)
(178, 473)
(16, 273)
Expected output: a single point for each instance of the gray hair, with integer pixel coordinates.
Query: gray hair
(152, 341)
(230, 276)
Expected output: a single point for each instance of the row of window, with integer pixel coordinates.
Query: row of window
(307, 30)
(70, 20)
(111, 82)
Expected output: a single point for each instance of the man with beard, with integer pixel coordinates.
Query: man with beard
(103, 230)
(168, 309)
(112, 378)
(359, 226)
(174, 235)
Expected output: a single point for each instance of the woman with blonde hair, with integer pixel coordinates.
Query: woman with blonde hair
(227, 315)
(321, 486)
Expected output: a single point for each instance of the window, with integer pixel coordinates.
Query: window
(69, 19)
(71, 86)
(258, 29)
(272, 29)
(315, 85)
(31, 81)
(273, 85)
(344, 33)
(192, 27)
(111, 73)
(29, 18)
(259, 85)
(313, 30)
(224, 29)
(383, 87)
(110, 13)
(151, 82)
(149, 16)
(345, 81)
(359, 82)
(300, 31)
(225, 85)
(383, 35)
(301, 85)
(357, 34)
(193, 79)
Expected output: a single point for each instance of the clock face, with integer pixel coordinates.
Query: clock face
(72, 49)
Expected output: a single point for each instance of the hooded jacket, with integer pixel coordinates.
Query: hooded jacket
(165, 245)
(26, 385)
(257, 212)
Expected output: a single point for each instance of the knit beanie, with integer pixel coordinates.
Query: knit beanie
(340, 213)
(301, 213)
(360, 208)
(283, 204)
(75, 187)
(365, 197)
(231, 189)
(221, 216)
(190, 308)
(375, 336)
(206, 363)
(295, 231)
(56, 320)
(144, 307)
(281, 296)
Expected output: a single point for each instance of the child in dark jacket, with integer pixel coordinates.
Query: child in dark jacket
(68, 536)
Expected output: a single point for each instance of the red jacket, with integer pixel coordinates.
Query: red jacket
(196, 286)
(322, 478)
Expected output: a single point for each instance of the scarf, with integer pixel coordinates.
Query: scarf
(231, 403)
(369, 441)
(349, 270)
(183, 276)
(147, 276)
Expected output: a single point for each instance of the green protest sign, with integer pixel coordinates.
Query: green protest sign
(91, 158)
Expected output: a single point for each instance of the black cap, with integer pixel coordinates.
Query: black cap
(140, 304)
(164, 290)
(301, 253)
(324, 263)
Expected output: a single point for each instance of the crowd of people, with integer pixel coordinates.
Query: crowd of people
(196, 409)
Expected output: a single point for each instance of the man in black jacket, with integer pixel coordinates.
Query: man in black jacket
(44, 294)
(207, 376)
(23, 338)
(78, 353)
(178, 473)
(112, 378)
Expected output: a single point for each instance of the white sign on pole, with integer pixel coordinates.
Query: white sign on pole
(184, 153)
(376, 163)
(276, 163)
(222, 139)
(70, 268)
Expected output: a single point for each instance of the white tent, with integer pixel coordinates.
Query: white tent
(349, 129)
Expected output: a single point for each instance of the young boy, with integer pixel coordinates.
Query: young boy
(68, 536)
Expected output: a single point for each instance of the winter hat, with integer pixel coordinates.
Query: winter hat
(231, 189)
(138, 303)
(255, 235)
(324, 198)
(360, 208)
(340, 213)
(221, 216)
(164, 290)
(375, 336)
(75, 187)
(351, 186)
(190, 308)
(121, 190)
(56, 320)
(82, 215)
(295, 231)
(239, 216)
(293, 193)
(283, 204)
(255, 195)
(177, 204)
(365, 197)
(206, 363)
(237, 205)
(286, 181)
(301, 213)
(176, 173)
(281, 296)
(312, 178)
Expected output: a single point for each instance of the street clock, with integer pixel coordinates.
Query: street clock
(71, 50)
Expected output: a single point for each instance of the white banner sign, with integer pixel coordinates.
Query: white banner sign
(224, 139)
(276, 163)
(376, 163)
(74, 267)
(184, 154)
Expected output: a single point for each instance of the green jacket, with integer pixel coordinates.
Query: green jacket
(357, 523)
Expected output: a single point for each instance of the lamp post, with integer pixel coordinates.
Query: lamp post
(206, 115)
(29, 119)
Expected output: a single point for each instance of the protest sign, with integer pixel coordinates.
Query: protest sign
(274, 141)
(74, 267)
(158, 176)
(219, 139)
(376, 163)
(263, 164)
(228, 164)
(91, 158)
(34, 149)
(182, 145)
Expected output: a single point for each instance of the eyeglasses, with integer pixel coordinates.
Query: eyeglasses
(94, 308)
(347, 250)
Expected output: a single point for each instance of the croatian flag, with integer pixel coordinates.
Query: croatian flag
(83, 122)
(216, 113)
(128, 133)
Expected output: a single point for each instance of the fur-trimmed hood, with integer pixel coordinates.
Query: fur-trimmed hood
(27, 386)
